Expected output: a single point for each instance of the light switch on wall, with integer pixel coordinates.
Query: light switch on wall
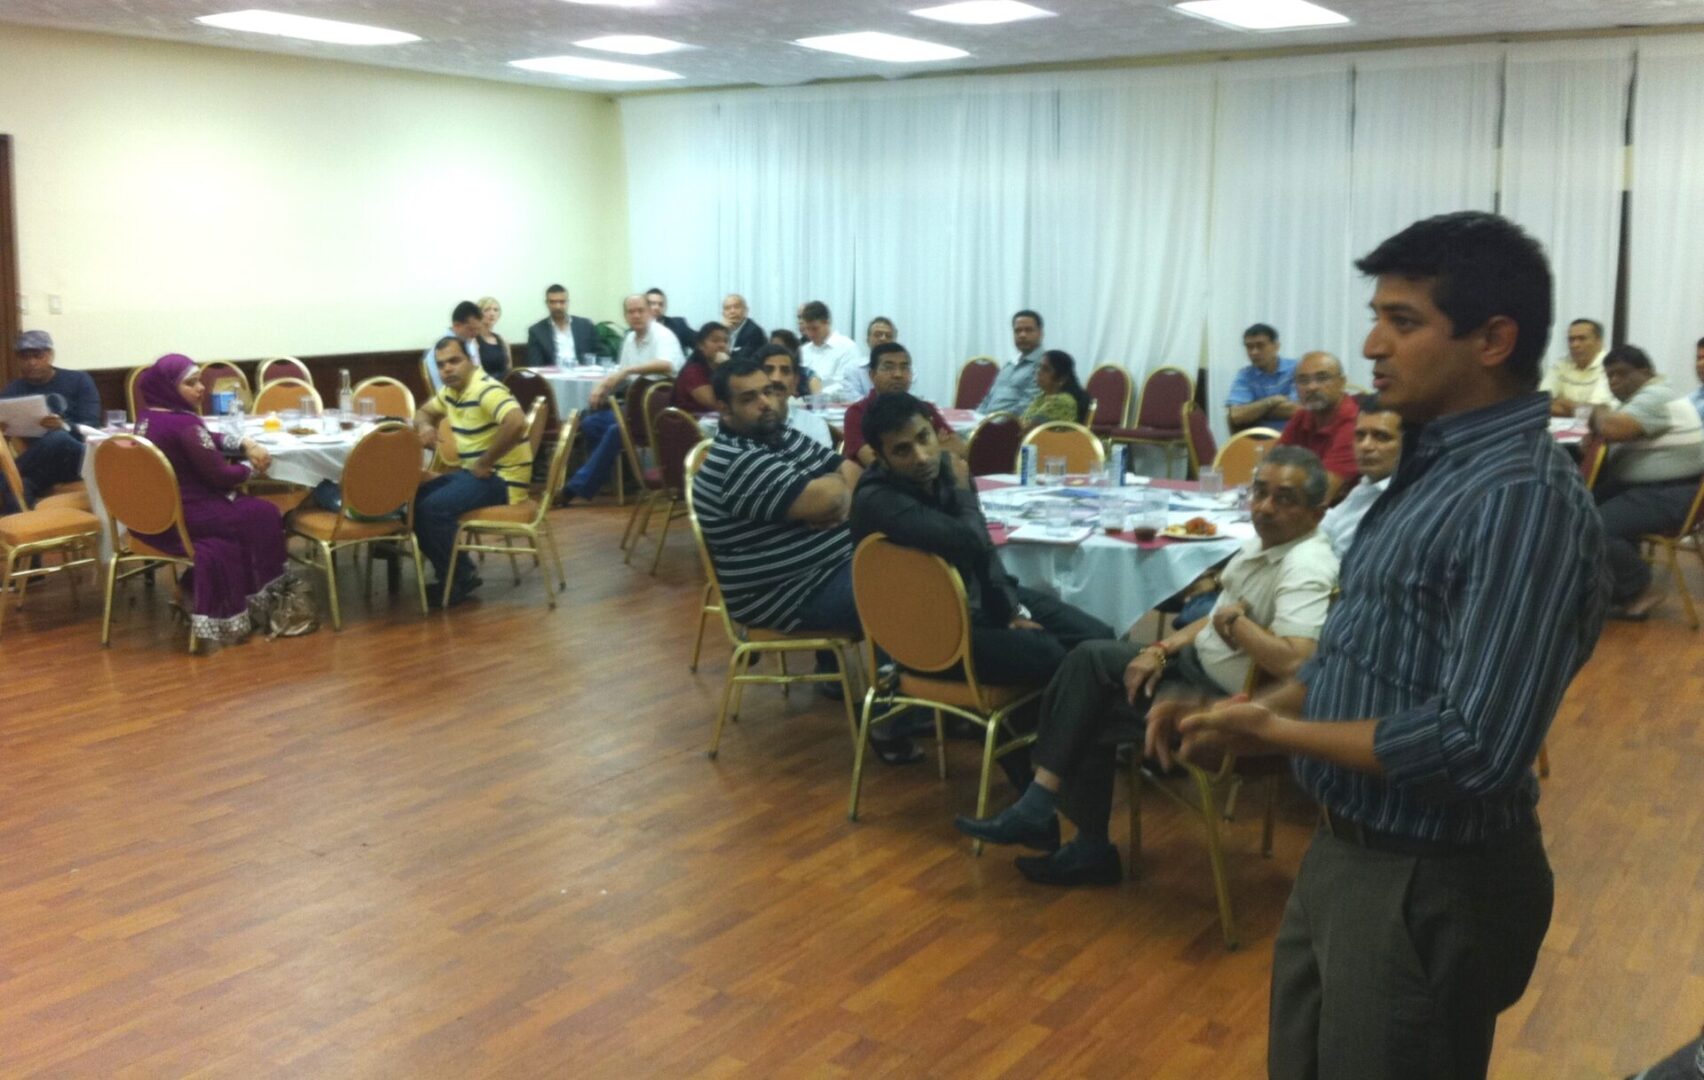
(55, 306)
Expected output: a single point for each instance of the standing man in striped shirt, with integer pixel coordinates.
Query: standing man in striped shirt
(1474, 592)
(773, 506)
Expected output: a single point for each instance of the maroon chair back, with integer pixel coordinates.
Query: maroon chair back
(1109, 386)
(633, 407)
(994, 444)
(284, 367)
(677, 433)
(975, 379)
(658, 396)
(528, 386)
(1198, 431)
(1163, 398)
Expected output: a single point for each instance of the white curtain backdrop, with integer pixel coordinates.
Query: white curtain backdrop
(1665, 310)
(1564, 126)
(1280, 251)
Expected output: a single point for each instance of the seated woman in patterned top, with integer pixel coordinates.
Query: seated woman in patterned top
(1062, 396)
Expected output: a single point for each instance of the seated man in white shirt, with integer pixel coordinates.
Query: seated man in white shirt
(1277, 590)
(1378, 447)
(648, 349)
(1577, 379)
(779, 365)
(833, 357)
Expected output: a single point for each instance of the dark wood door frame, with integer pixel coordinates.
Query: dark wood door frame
(9, 319)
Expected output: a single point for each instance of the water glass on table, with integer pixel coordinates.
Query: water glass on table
(306, 404)
(1150, 515)
(368, 410)
(1059, 516)
(1053, 471)
(331, 421)
(1212, 481)
(115, 419)
(1113, 511)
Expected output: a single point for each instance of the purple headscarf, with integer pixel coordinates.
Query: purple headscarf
(158, 386)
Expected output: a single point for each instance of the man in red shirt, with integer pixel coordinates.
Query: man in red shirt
(890, 373)
(1325, 423)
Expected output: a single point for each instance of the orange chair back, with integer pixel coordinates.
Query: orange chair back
(13, 479)
(446, 455)
(1239, 457)
(975, 379)
(389, 396)
(282, 367)
(382, 472)
(139, 487)
(281, 394)
(1109, 385)
(1083, 453)
(912, 606)
(994, 444)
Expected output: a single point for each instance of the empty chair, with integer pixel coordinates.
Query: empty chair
(390, 397)
(994, 443)
(975, 379)
(286, 393)
(1238, 458)
(1083, 453)
(282, 367)
(1159, 413)
(1109, 385)
(1198, 431)
(66, 531)
(675, 434)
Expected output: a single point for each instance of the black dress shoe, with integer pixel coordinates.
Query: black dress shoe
(1007, 827)
(1073, 865)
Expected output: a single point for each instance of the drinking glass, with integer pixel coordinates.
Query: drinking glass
(291, 418)
(1054, 469)
(1212, 481)
(306, 404)
(1150, 514)
(115, 419)
(331, 421)
(1059, 516)
(368, 410)
(1112, 513)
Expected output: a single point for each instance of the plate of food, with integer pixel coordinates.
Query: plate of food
(1196, 528)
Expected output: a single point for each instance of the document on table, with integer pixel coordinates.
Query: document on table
(22, 416)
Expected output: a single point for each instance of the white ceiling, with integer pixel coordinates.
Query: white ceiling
(750, 41)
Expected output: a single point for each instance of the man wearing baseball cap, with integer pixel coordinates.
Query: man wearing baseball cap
(57, 457)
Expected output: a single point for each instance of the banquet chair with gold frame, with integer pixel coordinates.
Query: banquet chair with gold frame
(390, 397)
(1670, 544)
(712, 601)
(1242, 453)
(130, 391)
(70, 532)
(912, 606)
(635, 442)
(674, 434)
(752, 643)
(140, 490)
(526, 521)
(281, 394)
(1083, 453)
(975, 378)
(225, 375)
(379, 480)
(281, 367)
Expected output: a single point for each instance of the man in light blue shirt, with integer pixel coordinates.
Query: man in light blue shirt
(467, 322)
(1264, 393)
(1378, 447)
(1697, 396)
(1014, 387)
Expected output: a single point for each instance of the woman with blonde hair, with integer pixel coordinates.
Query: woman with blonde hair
(493, 350)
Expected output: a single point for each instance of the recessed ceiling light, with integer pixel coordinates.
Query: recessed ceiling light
(1262, 14)
(584, 67)
(872, 45)
(308, 29)
(983, 12)
(632, 44)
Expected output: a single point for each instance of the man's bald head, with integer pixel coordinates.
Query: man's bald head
(1319, 383)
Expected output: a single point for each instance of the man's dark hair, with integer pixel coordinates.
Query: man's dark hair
(884, 320)
(814, 311)
(1597, 327)
(1318, 481)
(886, 348)
(464, 311)
(656, 292)
(787, 339)
(733, 369)
(1261, 329)
(556, 288)
(887, 414)
(1026, 313)
(706, 330)
(776, 350)
(1370, 403)
(448, 340)
(1631, 355)
(1481, 266)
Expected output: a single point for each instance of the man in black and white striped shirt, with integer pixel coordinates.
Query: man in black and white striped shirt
(773, 506)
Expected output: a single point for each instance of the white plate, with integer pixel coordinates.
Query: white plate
(1175, 532)
(322, 439)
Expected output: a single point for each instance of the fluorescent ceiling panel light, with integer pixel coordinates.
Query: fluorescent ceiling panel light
(872, 45)
(983, 12)
(306, 28)
(1262, 14)
(632, 44)
(614, 3)
(584, 67)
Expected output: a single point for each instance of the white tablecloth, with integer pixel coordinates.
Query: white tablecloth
(572, 387)
(962, 421)
(1113, 580)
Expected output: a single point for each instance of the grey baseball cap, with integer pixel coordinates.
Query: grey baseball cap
(34, 341)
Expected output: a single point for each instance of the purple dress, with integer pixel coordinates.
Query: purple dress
(238, 539)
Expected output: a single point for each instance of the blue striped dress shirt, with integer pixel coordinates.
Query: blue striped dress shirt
(1473, 593)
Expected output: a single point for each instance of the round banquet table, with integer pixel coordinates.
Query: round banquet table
(572, 387)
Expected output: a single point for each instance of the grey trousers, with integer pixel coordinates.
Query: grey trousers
(1630, 512)
(1389, 967)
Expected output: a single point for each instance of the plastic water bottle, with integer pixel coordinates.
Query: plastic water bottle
(1116, 465)
(1026, 466)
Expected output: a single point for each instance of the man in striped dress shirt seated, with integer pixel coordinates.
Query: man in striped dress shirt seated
(496, 461)
(1474, 591)
(773, 506)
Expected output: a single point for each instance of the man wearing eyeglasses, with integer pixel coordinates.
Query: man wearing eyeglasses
(1325, 423)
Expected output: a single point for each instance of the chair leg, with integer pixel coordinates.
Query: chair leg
(5, 584)
(736, 667)
(1216, 856)
(450, 574)
(630, 538)
(1680, 582)
(663, 537)
(940, 745)
(419, 572)
(106, 613)
(703, 617)
(858, 753)
(786, 687)
(846, 691)
(514, 559)
(331, 585)
(556, 557)
(1231, 798)
(990, 734)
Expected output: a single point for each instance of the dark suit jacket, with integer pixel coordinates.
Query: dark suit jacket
(750, 340)
(682, 330)
(541, 341)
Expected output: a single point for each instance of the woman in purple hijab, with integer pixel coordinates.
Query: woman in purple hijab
(239, 539)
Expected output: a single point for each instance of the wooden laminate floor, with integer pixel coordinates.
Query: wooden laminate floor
(491, 845)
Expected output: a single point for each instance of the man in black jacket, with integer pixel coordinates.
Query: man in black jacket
(745, 337)
(659, 301)
(924, 498)
(546, 337)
